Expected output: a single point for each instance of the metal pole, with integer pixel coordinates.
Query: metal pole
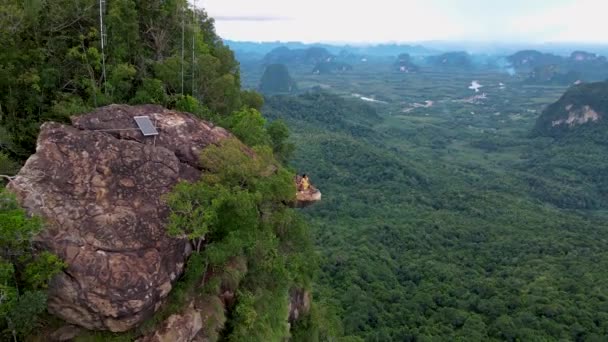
(183, 42)
(194, 27)
(103, 54)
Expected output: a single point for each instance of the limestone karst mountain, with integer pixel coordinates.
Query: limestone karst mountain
(285, 55)
(582, 107)
(405, 64)
(276, 79)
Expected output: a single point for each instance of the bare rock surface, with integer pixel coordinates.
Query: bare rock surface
(99, 185)
(181, 327)
(299, 303)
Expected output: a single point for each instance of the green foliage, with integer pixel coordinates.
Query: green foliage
(120, 81)
(260, 317)
(67, 106)
(23, 316)
(16, 228)
(238, 210)
(24, 274)
(51, 62)
(249, 126)
(7, 166)
(38, 272)
(321, 324)
(150, 91)
(188, 104)
(279, 133)
(252, 99)
(438, 224)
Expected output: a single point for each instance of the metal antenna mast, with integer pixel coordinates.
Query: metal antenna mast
(194, 27)
(183, 42)
(103, 43)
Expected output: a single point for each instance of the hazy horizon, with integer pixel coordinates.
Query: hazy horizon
(415, 21)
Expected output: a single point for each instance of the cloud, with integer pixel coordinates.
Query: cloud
(577, 21)
(334, 20)
(410, 20)
(249, 18)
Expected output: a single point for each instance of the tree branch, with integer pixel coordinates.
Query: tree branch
(8, 178)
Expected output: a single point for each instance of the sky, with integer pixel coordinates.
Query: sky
(372, 21)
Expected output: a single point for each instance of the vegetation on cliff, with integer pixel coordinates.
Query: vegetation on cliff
(24, 270)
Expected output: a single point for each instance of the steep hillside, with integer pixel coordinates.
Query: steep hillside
(583, 108)
(571, 171)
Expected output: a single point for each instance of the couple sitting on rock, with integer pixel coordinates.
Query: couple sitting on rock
(303, 183)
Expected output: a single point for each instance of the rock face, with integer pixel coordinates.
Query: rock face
(299, 304)
(99, 185)
(179, 327)
(307, 197)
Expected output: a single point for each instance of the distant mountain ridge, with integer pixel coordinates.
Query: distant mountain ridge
(285, 55)
(549, 68)
(262, 48)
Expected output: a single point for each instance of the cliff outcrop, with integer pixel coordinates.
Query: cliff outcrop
(99, 185)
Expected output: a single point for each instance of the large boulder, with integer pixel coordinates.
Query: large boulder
(99, 185)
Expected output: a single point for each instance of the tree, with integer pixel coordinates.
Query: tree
(24, 272)
(51, 62)
(249, 126)
(279, 133)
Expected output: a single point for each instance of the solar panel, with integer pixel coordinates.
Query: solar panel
(145, 126)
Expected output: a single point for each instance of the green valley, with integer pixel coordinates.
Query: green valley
(449, 219)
